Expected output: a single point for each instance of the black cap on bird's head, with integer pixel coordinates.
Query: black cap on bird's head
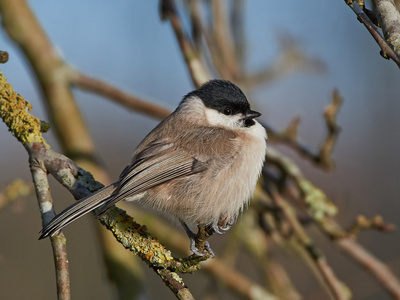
(225, 97)
(218, 94)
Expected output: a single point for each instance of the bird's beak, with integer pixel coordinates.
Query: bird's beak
(251, 114)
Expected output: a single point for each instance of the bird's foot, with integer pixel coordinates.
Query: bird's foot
(198, 243)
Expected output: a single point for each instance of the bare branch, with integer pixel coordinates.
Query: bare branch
(322, 213)
(58, 242)
(338, 288)
(105, 89)
(389, 21)
(288, 137)
(386, 49)
(290, 58)
(223, 41)
(363, 223)
(197, 70)
(379, 270)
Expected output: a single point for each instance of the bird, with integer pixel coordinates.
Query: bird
(200, 165)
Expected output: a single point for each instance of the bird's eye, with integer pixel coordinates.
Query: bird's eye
(227, 111)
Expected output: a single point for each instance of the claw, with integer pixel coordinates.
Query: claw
(196, 251)
(222, 229)
(193, 248)
(217, 229)
(209, 250)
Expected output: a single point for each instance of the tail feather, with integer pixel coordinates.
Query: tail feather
(77, 210)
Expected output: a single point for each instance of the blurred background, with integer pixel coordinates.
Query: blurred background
(126, 44)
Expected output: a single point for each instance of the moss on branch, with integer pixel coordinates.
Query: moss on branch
(14, 111)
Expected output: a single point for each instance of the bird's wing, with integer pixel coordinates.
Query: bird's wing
(152, 171)
(160, 161)
(164, 159)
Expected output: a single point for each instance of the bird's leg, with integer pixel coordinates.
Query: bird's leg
(198, 242)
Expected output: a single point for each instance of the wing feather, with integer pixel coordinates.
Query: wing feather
(154, 171)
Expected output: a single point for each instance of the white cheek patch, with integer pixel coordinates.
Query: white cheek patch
(216, 118)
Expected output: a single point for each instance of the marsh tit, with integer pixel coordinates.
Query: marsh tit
(199, 165)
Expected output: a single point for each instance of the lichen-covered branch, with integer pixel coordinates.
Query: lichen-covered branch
(14, 111)
(338, 289)
(80, 183)
(17, 188)
(389, 20)
(322, 211)
(216, 267)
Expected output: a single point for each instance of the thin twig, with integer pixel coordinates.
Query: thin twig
(105, 89)
(290, 58)
(58, 242)
(387, 51)
(288, 136)
(323, 217)
(238, 33)
(338, 288)
(379, 270)
(223, 40)
(251, 234)
(213, 60)
(196, 68)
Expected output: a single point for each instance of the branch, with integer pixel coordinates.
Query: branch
(322, 210)
(58, 242)
(290, 58)
(105, 89)
(339, 290)
(389, 21)
(223, 41)
(51, 71)
(379, 270)
(196, 68)
(251, 233)
(134, 237)
(323, 158)
(386, 49)
(27, 129)
(215, 267)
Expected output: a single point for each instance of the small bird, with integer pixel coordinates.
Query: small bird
(199, 165)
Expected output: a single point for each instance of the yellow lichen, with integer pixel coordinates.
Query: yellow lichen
(17, 189)
(318, 204)
(14, 110)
